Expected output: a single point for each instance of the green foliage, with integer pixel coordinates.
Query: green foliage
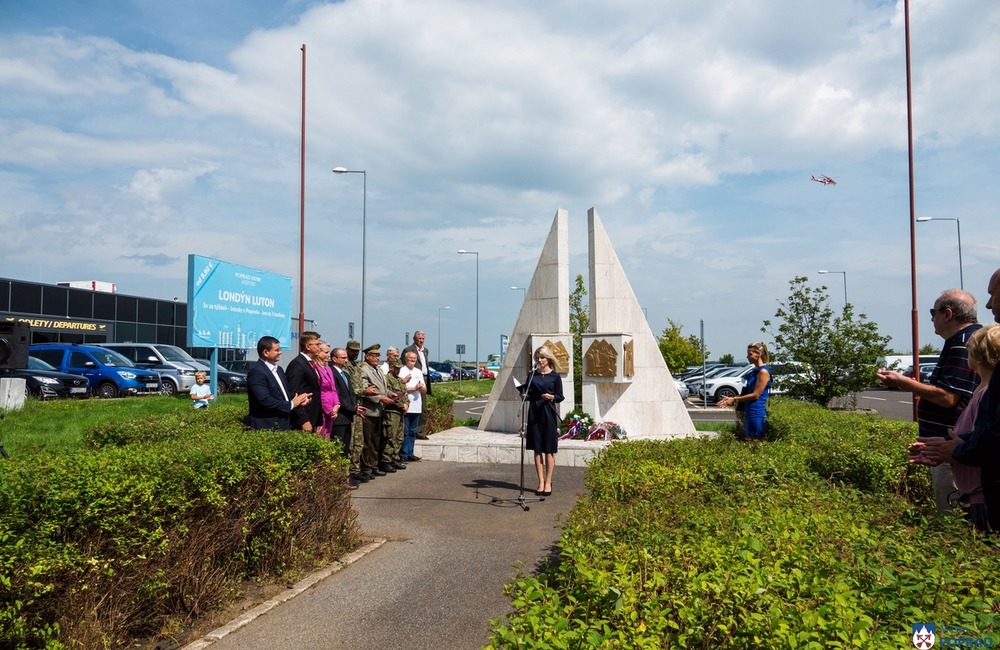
(440, 410)
(579, 324)
(842, 352)
(146, 520)
(929, 348)
(823, 539)
(679, 351)
(727, 358)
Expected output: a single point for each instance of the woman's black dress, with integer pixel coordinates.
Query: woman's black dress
(542, 433)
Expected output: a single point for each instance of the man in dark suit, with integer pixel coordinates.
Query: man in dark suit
(349, 406)
(423, 357)
(271, 400)
(303, 378)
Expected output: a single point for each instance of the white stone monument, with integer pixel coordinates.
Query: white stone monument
(544, 317)
(625, 379)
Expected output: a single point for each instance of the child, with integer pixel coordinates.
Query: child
(201, 393)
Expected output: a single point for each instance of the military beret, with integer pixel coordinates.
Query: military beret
(395, 362)
(353, 345)
(373, 349)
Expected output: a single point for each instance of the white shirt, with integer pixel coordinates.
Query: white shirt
(415, 396)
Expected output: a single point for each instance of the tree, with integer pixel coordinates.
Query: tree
(928, 348)
(727, 359)
(842, 352)
(679, 352)
(579, 324)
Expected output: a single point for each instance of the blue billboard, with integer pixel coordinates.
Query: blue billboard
(231, 306)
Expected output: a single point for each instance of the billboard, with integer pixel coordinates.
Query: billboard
(231, 306)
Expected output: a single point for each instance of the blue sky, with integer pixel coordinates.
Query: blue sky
(135, 133)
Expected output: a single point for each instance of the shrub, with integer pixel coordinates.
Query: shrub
(822, 539)
(159, 522)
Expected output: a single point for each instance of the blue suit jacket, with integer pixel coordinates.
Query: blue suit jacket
(268, 407)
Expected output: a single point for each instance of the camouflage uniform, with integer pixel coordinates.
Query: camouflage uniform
(353, 371)
(393, 419)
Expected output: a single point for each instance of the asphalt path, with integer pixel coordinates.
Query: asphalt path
(438, 579)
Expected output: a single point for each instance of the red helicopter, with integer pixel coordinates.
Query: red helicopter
(825, 180)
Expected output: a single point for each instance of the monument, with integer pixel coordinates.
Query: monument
(625, 379)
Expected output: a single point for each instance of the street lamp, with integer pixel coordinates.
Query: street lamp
(958, 226)
(440, 309)
(522, 289)
(364, 234)
(476, 253)
(823, 271)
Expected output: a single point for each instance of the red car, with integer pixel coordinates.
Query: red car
(484, 373)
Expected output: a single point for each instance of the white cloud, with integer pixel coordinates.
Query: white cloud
(693, 128)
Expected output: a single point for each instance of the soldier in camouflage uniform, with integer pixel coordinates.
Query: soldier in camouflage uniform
(353, 371)
(393, 418)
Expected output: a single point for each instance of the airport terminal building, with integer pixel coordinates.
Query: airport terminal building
(64, 314)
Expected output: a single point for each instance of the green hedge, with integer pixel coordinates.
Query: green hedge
(158, 521)
(821, 538)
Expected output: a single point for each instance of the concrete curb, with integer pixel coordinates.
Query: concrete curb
(298, 588)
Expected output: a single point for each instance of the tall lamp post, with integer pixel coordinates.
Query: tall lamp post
(958, 226)
(440, 309)
(824, 271)
(364, 234)
(524, 291)
(476, 253)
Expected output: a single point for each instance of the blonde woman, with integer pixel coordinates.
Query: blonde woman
(544, 391)
(752, 400)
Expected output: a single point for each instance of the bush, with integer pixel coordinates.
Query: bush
(160, 521)
(820, 540)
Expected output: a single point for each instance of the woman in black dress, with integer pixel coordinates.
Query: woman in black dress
(542, 432)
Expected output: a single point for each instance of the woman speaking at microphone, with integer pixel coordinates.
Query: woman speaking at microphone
(544, 391)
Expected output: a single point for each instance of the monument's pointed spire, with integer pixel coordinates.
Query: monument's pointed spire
(545, 310)
(645, 402)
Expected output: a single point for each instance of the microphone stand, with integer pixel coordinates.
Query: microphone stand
(521, 500)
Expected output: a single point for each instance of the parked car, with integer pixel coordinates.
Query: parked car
(242, 366)
(682, 389)
(925, 371)
(43, 381)
(722, 372)
(175, 366)
(434, 375)
(109, 373)
(229, 381)
(719, 387)
(486, 373)
(446, 370)
(468, 372)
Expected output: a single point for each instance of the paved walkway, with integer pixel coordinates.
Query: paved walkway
(437, 580)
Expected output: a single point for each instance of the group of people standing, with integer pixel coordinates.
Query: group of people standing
(375, 410)
(958, 408)
(960, 436)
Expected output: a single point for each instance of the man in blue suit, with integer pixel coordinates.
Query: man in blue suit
(271, 400)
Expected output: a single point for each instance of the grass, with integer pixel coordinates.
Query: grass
(57, 426)
(469, 388)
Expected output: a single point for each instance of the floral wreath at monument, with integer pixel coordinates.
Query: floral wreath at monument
(578, 425)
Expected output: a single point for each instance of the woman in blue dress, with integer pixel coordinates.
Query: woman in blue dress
(752, 400)
(544, 391)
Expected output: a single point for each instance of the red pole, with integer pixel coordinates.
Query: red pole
(302, 203)
(913, 211)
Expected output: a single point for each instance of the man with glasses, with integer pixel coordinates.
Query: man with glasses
(942, 399)
(303, 377)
